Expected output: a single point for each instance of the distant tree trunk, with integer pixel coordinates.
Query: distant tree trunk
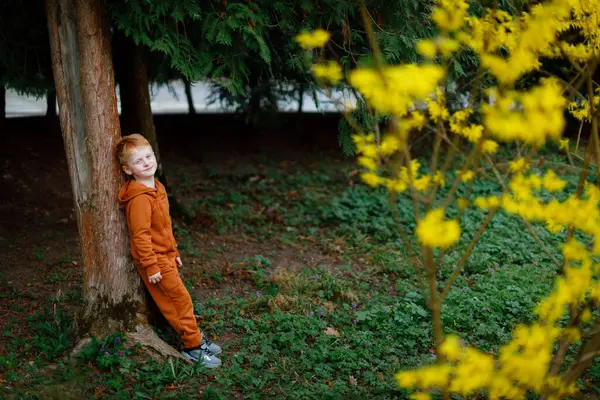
(188, 94)
(83, 72)
(51, 103)
(2, 103)
(300, 97)
(132, 75)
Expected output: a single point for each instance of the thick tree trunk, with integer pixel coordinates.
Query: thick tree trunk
(2, 103)
(83, 72)
(188, 94)
(51, 103)
(82, 66)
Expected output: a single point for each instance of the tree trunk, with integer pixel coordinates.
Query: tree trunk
(132, 75)
(82, 66)
(300, 97)
(51, 103)
(188, 95)
(2, 103)
(83, 72)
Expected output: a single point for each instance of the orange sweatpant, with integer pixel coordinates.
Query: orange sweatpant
(174, 301)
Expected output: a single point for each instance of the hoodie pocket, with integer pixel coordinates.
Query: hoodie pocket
(165, 262)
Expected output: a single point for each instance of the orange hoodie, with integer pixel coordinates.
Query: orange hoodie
(150, 230)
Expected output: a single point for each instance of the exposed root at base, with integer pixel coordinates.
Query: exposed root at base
(151, 344)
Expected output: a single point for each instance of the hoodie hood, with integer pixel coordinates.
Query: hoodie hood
(132, 189)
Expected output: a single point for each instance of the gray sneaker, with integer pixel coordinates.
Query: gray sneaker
(202, 355)
(214, 348)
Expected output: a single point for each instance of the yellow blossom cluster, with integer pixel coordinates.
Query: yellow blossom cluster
(404, 178)
(450, 15)
(393, 89)
(314, 39)
(581, 110)
(330, 72)
(581, 213)
(471, 132)
(435, 232)
(532, 117)
(585, 19)
(522, 365)
(510, 46)
(437, 111)
(429, 48)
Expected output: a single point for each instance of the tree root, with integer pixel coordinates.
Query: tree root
(151, 344)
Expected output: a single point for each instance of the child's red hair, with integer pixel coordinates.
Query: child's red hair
(127, 144)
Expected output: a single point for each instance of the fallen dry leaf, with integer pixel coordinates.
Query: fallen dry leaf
(332, 332)
(352, 380)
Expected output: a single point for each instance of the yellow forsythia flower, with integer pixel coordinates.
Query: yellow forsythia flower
(420, 396)
(450, 15)
(563, 144)
(572, 334)
(459, 119)
(368, 150)
(397, 185)
(532, 117)
(467, 175)
(485, 203)
(426, 48)
(406, 379)
(330, 72)
(368, 163)
(451, 347)
(439, 178)
(472, 133)
(519, 165)
(489, 146)
(463, 203)
(316, 38)
(372, 179)
(586, 316)
(422, 183)
(552, 183)
(393, 89)
(475, 370)
(434, 376)
(448, 46)
(389, 145)
(361, 140)
(574, 251)
(433, 231)
(553, 227)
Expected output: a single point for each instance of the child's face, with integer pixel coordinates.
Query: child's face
(141, 163)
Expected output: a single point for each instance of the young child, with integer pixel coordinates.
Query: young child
(154, 249)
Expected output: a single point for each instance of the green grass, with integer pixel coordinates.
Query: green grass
(312, 333)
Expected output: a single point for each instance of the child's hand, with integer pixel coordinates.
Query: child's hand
(155, 278)
(178, 261)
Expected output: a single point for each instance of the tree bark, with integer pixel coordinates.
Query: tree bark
(132, 75)
(188, 95)
(51, 103)
(83, 71)
(2, 103)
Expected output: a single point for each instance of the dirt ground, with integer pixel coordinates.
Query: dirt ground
(39, 249)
